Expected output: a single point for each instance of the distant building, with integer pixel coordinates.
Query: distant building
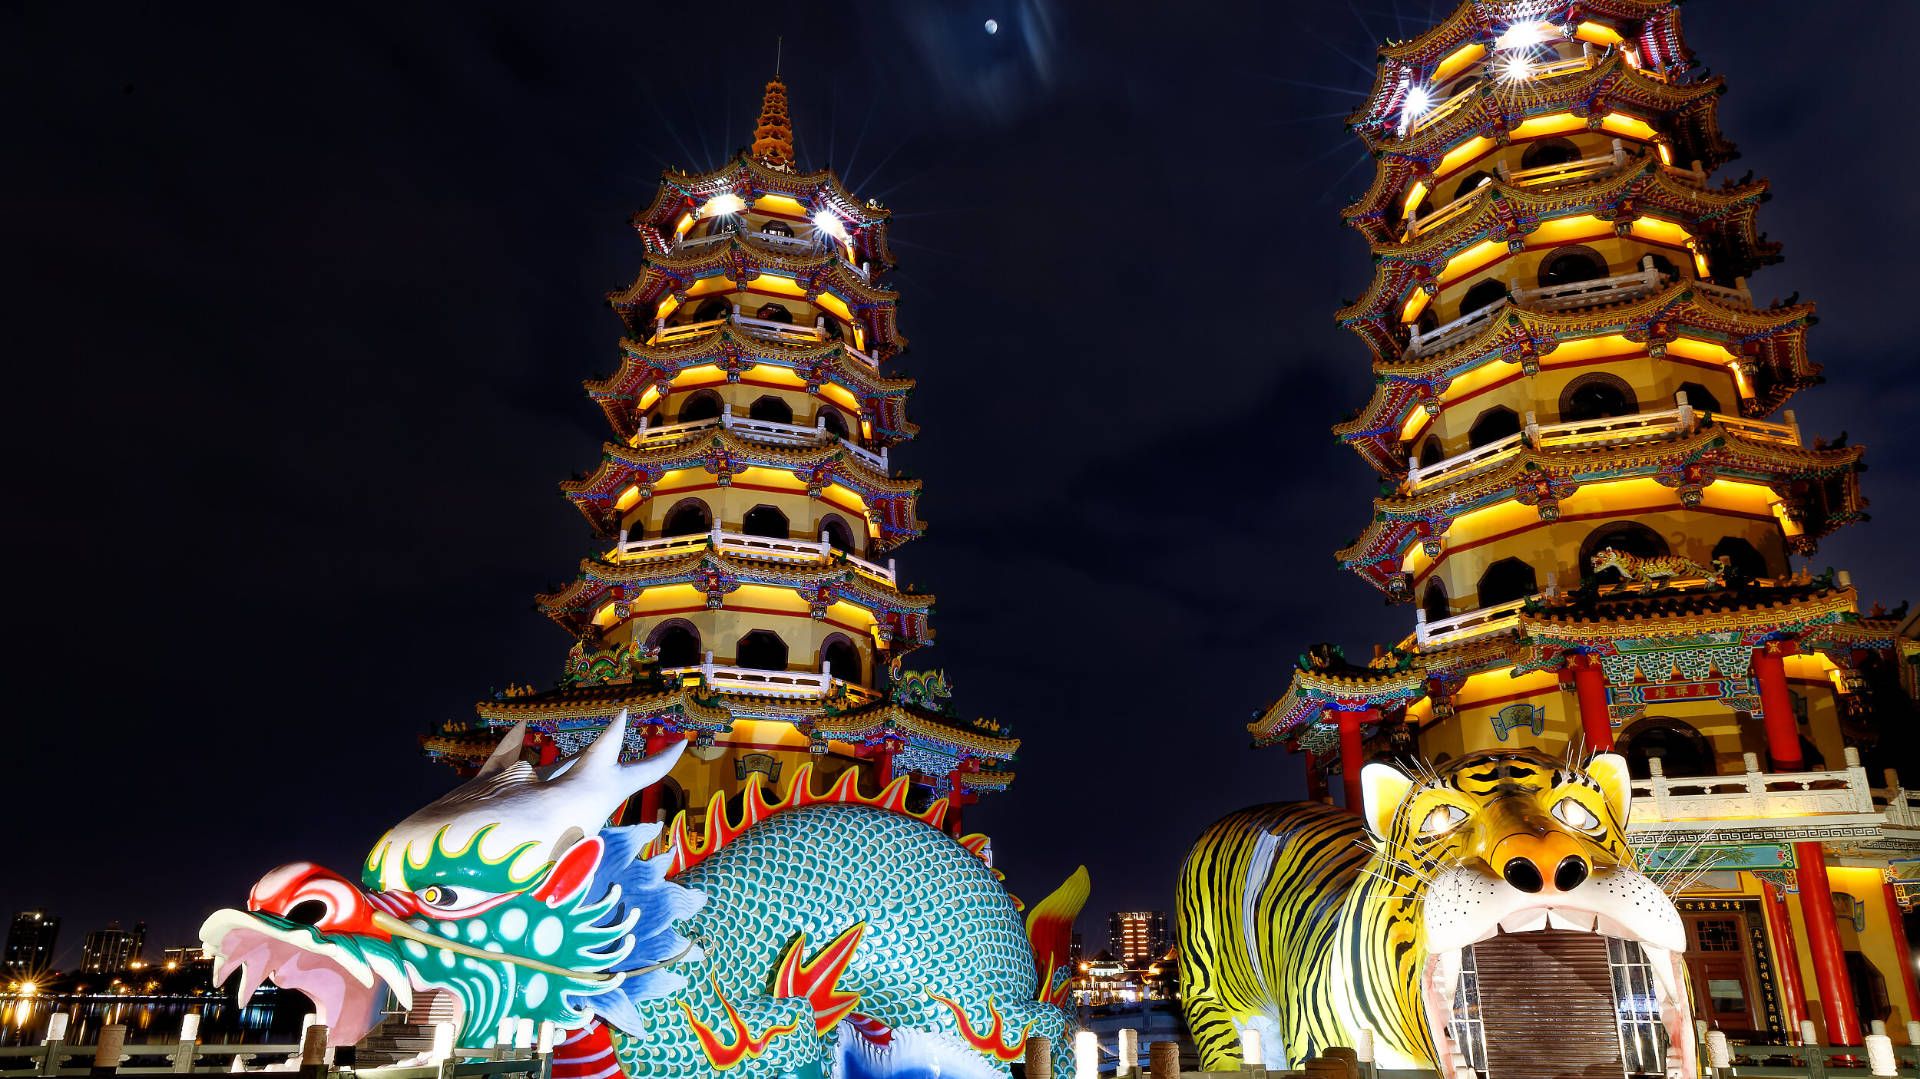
(182, 957)
(113, 949)
(1137, 937)
(30, 940)
(1077, 950)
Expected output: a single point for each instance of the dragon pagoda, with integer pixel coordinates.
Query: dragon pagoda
(743, 594)
(1591, 495)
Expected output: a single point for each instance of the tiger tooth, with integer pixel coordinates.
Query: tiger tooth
(222, 969)
(1661, 960)
(396, 980)
(1579, 921)
(1447, 973)
(250, 978)
(1526, 921)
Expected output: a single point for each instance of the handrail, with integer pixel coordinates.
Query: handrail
(1739, 297)
(765, 683)
(1449, 333)
(1475, 623)
(663, 333)
(1591, 293)
(774, 431)
(820, 551)
(1755, 798)
(776, 240)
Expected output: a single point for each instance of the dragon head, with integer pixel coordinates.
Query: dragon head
(508, 894)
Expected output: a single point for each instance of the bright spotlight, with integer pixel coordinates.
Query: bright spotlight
(1516, 68)
(723, 205)
(829, 222)
(1419, 101)
(1522, 35)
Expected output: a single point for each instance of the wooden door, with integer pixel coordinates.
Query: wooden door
(1721, 972)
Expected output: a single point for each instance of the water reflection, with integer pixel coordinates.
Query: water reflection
(271, 1018)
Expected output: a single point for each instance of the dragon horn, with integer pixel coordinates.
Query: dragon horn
(506, 753)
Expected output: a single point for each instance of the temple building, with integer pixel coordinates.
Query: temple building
(744, 593)
(1591, 495)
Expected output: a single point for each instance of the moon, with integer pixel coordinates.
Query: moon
(993, 26)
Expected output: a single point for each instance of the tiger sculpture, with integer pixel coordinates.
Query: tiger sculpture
(1659, 571)
(1312, 926)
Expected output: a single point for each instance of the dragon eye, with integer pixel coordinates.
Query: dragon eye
(439, 895)
(1574, 815)
(458, 901)
(1442, 819)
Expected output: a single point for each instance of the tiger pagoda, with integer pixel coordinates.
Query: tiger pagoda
(1593, 490)
(743, 594)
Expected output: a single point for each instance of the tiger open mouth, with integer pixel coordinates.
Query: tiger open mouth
(1617, 939)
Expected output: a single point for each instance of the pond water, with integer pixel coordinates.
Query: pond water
(270, 1018)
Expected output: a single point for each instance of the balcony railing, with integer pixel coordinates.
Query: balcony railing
(1556, 68)
(1760, 804)
(766, 329)
(1599, 292)
(779, 549)
(792, 685)
(1606, 431)
(774, 240)
(1448, 334)
(772, 431)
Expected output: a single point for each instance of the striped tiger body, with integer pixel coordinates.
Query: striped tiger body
(1312, 925)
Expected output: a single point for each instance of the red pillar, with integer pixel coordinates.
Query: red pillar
(1776, 710)
(882, 757)
(658, 738)
(1816, 895)
(1590, 685)
(1351, 755)
(1902, 951)
(1785, 956)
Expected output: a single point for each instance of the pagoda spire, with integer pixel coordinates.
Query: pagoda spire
(773, 132)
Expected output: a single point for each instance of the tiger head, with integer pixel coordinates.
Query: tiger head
(1515, 841)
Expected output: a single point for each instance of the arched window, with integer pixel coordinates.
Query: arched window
(777, 228)
(678, 642)
(1549, 152)
(1493, 425)
(688, 517)
(1566, 265)
(1744, 561)
(1434, 600)
(1597, 396)
(1432, 452)
(1428, 321)
(656, 417)
(1472, 182)
(1681, 750)
(1505, 581)
(1628, 537)
(832, 328)
(832, 421)
(771, 409)
(713, 310)
(1485, 294)
(1699, 398)
(765, 521)
(842, 659)
(761, 650)
(773, 312)
(838, 535)
(699, 405)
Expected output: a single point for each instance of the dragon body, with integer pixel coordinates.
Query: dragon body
(812, 935)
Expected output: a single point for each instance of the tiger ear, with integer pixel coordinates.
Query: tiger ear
(1382, 788)
(1610, 771)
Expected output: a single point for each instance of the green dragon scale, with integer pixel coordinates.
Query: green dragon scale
(822, 936)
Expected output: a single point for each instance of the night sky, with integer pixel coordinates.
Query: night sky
(299, 300)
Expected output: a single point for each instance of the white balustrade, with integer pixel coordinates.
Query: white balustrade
(775, 548)
(770, 431)
(803, 685)
(769, 329)
(1738, 296)
(1462, 627)
(1573, 295)
(1452, 333)
(1769, 803)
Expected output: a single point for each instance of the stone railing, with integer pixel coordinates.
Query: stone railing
(771, 431)
(767, 329)
(1675, 422)
(776, 242)
(1758, 804)
(1463, 627)
(1598, 292)
(776, 548)
(795, 685)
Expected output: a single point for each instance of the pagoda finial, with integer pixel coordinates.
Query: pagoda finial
(773, 133)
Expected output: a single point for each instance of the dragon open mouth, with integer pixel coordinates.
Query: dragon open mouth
(1578, 977)
(347, 984)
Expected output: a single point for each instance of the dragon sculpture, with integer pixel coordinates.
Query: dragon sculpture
(811, 936)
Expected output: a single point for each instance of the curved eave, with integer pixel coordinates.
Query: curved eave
(1774, 335)
(742, 175)
(1610, 85)
(643, 365)
(1400, 521)
(739, 263)
(876, 721)
(548, 711)
(721, 450)
(1726, 220)
(1311, 692)
(592, 588)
